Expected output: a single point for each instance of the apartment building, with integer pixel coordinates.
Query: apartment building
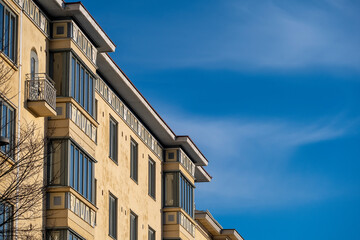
(114, 169)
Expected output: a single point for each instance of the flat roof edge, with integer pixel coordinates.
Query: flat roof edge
(199, 156)
(233, 233)
(80, 8)
(209, 218)
(140, 97)
(205, 176)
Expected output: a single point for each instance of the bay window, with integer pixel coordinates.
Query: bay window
(73, 79)
(179, 192)
(82, 82)
(70, 166)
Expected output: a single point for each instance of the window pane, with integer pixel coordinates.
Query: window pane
(86, 92)
(181, 193)
(12, 38)
(73, 76)
(113, 140)
(1, 24)
(151, 178)
(85, 177)
(112, 216)
(133, 227)
(5, 214)
(91, 95)
(71, 165)
(6, 32)
(171, 189)
(81, 86)
(81, 173)
(76, 170)
(134, 160)
(151, 234)
(90, 181)
(77, 93)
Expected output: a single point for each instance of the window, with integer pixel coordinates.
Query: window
(179, 192)
(113, 139)
(151, 234)
(151, 180)
(6, 212)
(7, 127)
(171, 190)
(81, 172)
(8, 22)
(133, 226)
(81, 83)
(186, 195)
(134, 160)
(112, 216)
(33, 64)
(73, 236)
(57, 234)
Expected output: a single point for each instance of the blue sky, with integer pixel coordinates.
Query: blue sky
(269, 91)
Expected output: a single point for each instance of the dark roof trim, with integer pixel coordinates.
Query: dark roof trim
(69, 3)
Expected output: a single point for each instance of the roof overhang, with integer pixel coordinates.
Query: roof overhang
(191, 149)
(133, 98)
(214, 228)
(208, 221)
(142, 108)
(201, 175)
(77, 11)
(232, 234)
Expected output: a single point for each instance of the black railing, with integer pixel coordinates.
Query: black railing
(40, 87)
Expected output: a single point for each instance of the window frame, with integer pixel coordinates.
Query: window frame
(88, 177)
(113, 135)
(65, 155)
(152, 178)
(8, 127)
(134, 160)
(132, 214)
(74, 236)
(182, 193)
(79, 77)
(150, 229)
(9, 222)
(12, 33)
(113, 215)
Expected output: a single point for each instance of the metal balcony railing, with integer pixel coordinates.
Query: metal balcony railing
(39, 87)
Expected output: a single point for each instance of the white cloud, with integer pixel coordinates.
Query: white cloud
(248, 35)
(249, 160)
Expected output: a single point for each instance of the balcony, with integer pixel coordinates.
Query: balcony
(41, 94)
(177, 224)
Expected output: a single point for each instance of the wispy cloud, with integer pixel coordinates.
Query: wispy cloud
(254, 35)
(249, 160)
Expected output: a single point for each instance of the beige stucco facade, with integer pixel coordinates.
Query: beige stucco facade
(83, 174)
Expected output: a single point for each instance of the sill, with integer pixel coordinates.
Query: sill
(7, 59)
(6, 157)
